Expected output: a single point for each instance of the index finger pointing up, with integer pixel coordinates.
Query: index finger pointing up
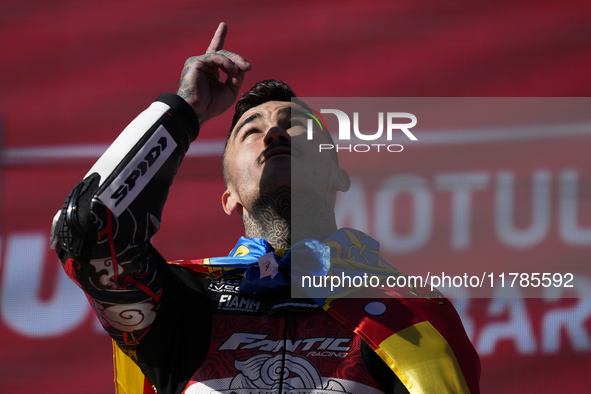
(217, 42)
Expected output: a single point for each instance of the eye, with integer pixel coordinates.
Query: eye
(249, 132)
(298, 122)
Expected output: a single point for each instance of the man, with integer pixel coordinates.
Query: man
(229, 324)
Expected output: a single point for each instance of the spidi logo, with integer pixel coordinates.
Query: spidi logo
(393, 124)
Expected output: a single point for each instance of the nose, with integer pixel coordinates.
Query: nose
(276, 133)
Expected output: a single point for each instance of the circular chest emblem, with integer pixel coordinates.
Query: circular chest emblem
(375, 308)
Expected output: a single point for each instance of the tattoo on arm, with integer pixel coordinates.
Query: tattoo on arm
(183, 89)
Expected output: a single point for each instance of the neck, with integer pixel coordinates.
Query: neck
(271, 217)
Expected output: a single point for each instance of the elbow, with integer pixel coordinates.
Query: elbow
(74, 230)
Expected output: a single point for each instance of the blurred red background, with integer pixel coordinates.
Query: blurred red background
(74, 73)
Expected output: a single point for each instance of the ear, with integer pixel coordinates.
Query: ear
(344, 180)
(230, 203)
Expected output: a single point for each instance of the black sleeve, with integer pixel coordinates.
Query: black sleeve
(102, 235)
(178, 341)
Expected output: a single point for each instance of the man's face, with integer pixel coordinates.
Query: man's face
(266, 141)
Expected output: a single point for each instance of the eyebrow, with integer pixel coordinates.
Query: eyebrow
(282, 111)
(296, 112)
(285, 111)
(247, 121)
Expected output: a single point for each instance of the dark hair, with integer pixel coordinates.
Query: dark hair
(267, 90)
(260, 93)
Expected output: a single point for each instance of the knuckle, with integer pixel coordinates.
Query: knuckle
(190, 60)
(225, 53)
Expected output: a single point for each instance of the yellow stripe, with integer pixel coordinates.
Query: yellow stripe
(128, 376)
(423, 361)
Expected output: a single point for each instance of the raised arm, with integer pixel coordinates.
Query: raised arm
(200, 83)
(102, 233)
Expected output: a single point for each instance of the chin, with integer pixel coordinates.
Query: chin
(276, 175)
(273, 181)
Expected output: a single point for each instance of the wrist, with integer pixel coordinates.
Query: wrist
(201, 118)
(193, 103)
(186, 112)
(184, 94)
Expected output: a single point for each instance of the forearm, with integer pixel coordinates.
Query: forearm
(102, 234)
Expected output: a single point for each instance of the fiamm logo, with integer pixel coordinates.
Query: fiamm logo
(345, 130)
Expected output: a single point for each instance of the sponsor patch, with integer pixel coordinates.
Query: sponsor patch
(320, 346)
(230, 302)
(140, 170)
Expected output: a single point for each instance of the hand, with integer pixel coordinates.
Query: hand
(200, 83)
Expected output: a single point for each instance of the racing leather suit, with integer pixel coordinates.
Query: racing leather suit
(188, 333)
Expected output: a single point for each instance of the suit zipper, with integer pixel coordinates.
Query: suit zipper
(288, 327)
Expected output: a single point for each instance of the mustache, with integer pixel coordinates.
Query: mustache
(273, 145)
